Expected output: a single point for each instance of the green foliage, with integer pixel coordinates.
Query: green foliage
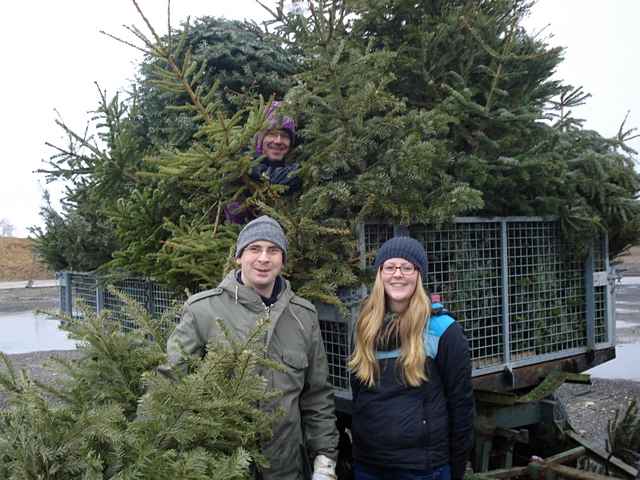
(98, 168)
(474, 64)
(112, 208)
(99, 423)
(408, 112)
(40, 440)
(192, 256)
(624, 434)
(211, 415)
(233, 59)
(76, 239)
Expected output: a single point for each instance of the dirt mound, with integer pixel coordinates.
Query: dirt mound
(19, 262)
(630, 261)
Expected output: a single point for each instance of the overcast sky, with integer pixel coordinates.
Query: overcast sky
(53, 53)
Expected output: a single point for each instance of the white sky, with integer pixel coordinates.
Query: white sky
(53, 53)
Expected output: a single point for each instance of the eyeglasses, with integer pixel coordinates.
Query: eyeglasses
(405, 269)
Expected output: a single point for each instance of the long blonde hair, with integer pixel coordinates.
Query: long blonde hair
(409, 328)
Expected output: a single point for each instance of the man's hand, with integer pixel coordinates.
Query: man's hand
(324, 468)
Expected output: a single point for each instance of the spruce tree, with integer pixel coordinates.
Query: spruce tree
(510, 133)
(409, 112)
(114, 417)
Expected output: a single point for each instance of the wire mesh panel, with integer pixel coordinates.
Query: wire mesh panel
(543, 311)
(336, 337)
(96, 294)
(464, 269)
(375, 234)
(164, 299)
(83, 292)
(134, 288)
(600, 264)
(546, 292)
(600, 315)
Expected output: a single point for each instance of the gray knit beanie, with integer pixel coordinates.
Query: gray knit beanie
(262, 228)
(403, 247)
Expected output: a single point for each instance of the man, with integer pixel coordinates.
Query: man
(254, 290)
(272, 147)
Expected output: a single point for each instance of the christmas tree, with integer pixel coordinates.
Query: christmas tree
(409, 112)
(99, 423)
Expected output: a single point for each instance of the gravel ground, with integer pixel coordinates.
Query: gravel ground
(589, 407)
(22, 299)
(35, 363)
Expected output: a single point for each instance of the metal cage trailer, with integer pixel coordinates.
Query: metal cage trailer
(534, 312)
(531, 308)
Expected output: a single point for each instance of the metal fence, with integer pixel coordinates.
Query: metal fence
(522, 296)
(80, 289)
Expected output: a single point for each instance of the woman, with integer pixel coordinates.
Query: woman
(411, 377)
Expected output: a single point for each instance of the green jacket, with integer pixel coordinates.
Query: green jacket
(293, 338)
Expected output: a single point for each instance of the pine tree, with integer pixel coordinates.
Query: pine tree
(237, 59)
(623, 434)
(475, 64)
(409, 112)
(99, 423)
(107, 205)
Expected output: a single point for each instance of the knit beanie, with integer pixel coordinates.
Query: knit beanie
(262, 228)
(403, 247)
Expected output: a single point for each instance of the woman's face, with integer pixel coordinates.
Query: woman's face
(399, 278)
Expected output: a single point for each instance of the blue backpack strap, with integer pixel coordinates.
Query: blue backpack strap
(384, 354)
(438, 324)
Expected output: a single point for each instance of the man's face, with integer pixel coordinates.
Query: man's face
(276, 144)
(260, 264)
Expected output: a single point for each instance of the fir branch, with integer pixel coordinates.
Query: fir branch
(129, 44)
(9, 381)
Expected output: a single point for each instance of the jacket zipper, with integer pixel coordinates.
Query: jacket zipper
(267, 311)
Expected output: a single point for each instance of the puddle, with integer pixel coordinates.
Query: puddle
(623, 324)
(24, 332)
(627, 310)
(624, 366)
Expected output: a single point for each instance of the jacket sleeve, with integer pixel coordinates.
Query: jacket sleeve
(186, 340)
(287, 175)
(256, 172)
(317, 405)
(454, 364)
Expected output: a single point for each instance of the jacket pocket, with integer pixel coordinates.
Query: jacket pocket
(293, 377)
(295, 360)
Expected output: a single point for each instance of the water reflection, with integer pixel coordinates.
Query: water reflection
(624, 366)
(23, 332)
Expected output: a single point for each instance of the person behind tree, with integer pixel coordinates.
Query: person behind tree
(272, 147)
(307, 428)
(411, 377)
